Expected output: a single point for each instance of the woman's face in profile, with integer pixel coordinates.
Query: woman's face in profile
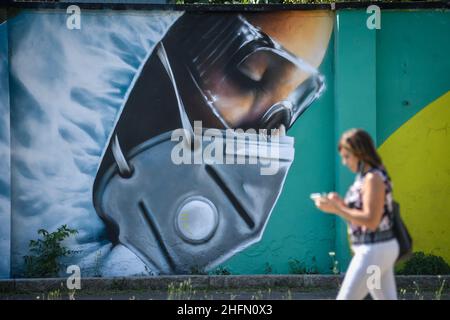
(349, 159)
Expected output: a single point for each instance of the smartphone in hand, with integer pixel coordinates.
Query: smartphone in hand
(315, 196)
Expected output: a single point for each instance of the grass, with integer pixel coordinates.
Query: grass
(186, 290)
(417, 293)
(206, 294)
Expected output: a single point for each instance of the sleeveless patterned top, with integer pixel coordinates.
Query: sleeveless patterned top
(353, 199)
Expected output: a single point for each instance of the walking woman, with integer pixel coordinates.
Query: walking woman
(367, 207)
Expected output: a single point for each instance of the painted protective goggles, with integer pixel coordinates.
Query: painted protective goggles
(228, 57)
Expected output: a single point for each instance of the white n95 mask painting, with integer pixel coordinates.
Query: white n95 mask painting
(185, 198)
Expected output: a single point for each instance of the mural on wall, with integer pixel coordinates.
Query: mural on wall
(227, 73)
(96, 120)
(5, 169)
(88, 115)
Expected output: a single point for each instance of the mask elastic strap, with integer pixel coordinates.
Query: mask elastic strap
(162, 55)
(125, 169)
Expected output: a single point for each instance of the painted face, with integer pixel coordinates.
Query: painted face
(227, 73)
(243, 76)
(349, 160)
(206, 217)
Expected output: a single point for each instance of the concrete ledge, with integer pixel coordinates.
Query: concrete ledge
(214, 282)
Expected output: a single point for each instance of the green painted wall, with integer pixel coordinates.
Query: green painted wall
(355, 98)
(413, 65)
(377, 80)
(413, 121)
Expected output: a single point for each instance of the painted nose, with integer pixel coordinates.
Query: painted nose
(277, 115)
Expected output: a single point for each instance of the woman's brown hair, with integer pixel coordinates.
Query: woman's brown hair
(360, 144)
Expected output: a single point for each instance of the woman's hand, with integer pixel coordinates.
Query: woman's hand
(332, 203)
(335, 197)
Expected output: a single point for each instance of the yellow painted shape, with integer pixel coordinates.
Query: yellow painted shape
(417, 156)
